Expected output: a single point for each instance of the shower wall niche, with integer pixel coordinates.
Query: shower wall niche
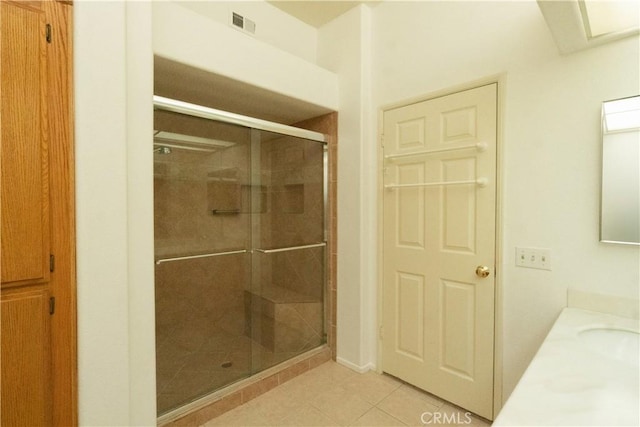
(240, 246)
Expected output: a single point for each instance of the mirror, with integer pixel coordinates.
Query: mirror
(620, 197)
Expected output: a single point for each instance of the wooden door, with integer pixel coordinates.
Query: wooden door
(25, 174)
(439, 227)
(26, 359)
(36, 189)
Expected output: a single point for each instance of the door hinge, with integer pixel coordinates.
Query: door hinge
(381, 332)
(52, 263)
(52, 305)
(48, 33)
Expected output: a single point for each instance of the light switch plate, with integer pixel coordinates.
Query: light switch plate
(539, 258)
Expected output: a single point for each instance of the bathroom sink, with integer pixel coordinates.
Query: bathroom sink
(619, 344)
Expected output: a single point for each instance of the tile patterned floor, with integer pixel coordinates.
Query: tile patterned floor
(332, 395)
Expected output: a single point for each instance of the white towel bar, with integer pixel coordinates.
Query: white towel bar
(480, 182)
(480, 146)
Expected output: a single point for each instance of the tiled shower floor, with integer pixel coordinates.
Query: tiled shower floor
(184, 374)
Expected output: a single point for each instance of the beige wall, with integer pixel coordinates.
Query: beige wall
(551, 173)
(551, 143)
(185, 36)
(344, 47)
(114, 208)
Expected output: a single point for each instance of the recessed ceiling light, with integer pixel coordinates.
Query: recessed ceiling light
(602, 17)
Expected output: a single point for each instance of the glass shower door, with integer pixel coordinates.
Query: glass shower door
(286, 301)
(239, 250)
(202, 197)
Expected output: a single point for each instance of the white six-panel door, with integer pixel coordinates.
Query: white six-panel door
(438, 229)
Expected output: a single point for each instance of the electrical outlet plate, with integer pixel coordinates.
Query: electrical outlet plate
(539, 258)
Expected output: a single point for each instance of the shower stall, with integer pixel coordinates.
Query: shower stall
(240, 247)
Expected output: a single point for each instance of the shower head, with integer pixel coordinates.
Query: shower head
(188, 142)
(162, 150)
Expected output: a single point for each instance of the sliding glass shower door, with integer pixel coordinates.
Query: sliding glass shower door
(202, 223)
(240, 252)
(288, 260)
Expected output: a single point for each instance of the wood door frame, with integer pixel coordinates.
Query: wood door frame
(64, 349)
(500, 81)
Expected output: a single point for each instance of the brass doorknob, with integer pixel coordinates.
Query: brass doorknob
(482, 271)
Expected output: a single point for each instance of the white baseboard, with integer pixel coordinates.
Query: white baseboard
(361, 369)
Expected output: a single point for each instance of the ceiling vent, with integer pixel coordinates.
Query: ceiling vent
(241, 23)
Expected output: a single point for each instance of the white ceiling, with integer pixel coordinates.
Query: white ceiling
(317, 12)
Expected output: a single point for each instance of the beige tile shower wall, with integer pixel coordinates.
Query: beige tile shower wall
(204, 291)
(199, 312)
(301, 272)
(292, 170)
(185, 186)
(292, 176)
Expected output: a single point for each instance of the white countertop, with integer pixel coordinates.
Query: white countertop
(573, 381)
